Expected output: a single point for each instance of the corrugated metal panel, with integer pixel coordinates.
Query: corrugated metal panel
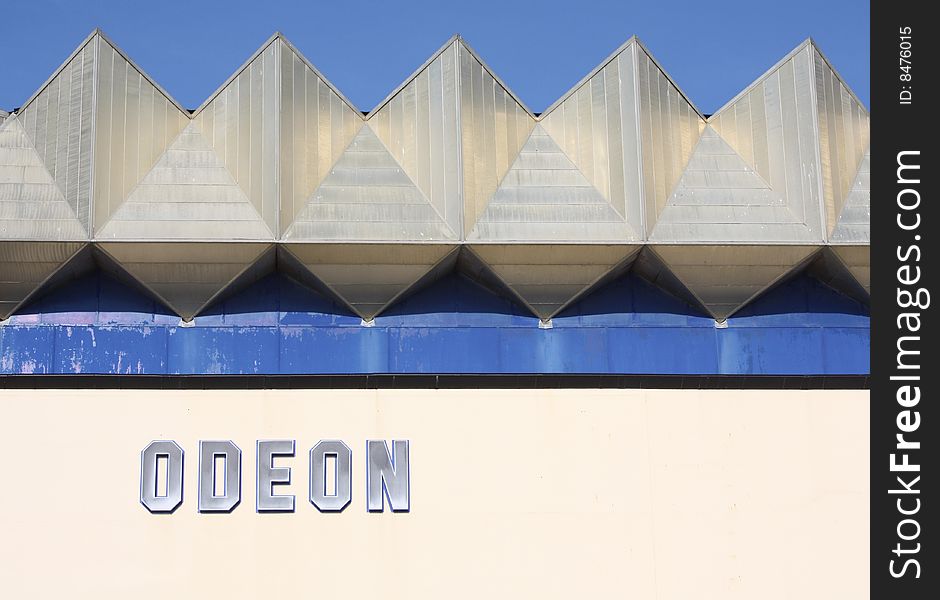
(240, 122)
(494, 127)
(135, 123)
(32, 206)
(595, 124)
(725, 278)
(843, 136)
(380, 187)
(771, 126)
(24, 266)
(279, 152)
(545, 197)
(720, 198)
(317, 125)
(185, 276)
(854, 224)
(669, 128)
(367, 196)
(58, 121)
(369, 276)
(188, 195)
(418, 125)
(548, 277)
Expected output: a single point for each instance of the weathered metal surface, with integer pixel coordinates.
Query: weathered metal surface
(771, 125)
(395, 175)
(454, 326)
(187, 195)
(32, 206)
(367, 196)
(552, 204)
(185, 276)
(135, 123)
(544, 197)
(720, 198)
(494, 127)
(669, 129)
(25, 266)
(418, 124)
(857, 260)
(368, 277)
(854, 223)
(240, 122)
(830, 269)
(770, 169)
(621, 135)
(596, 126)
(725, 278)
(316, 126)
(547, 278)
(843, 136)
(58, 120)
(850, 238)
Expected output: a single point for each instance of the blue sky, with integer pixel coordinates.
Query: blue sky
(713, 49)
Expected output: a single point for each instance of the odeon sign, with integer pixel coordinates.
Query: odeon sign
(220, 472)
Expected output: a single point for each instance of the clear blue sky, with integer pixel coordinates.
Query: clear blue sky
(540, 48)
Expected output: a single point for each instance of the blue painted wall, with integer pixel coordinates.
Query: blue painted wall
(96, 325)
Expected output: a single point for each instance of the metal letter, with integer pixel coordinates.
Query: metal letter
(231, 494)
(269, 476)
(388, 477)
(174, 476)
(318, 496)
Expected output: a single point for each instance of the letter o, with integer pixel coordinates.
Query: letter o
(173, 454)
(916, 530)
(907, 191)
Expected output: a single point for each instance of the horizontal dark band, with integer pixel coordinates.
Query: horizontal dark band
(581, 381)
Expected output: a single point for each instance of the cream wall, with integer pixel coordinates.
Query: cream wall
(515, 493)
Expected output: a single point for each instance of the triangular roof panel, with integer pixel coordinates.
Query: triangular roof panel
(369, 277)
(854, 224)
(844, 136)
(31, 204)
(720, 198)
(547, 278)
(317, 124)
(771, 125)
(135, 122)
(367, 196)
(58, 120)
(494, 126)
(187, 277)
(726, 277)
(419, 126)
(188, 195)
(240, 120)
(26, 266)
(669, 129)
(545, 197)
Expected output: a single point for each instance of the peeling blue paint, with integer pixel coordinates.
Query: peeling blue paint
(96, 325)
(109, 349)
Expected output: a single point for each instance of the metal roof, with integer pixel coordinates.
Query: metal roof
(278, 170)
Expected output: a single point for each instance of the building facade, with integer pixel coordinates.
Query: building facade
(448, 238)
(277, 229)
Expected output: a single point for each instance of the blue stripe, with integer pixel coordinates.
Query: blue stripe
(96, 325)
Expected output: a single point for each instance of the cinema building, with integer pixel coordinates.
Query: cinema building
(501, 288)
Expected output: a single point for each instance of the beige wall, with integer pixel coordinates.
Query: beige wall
(522, 494)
